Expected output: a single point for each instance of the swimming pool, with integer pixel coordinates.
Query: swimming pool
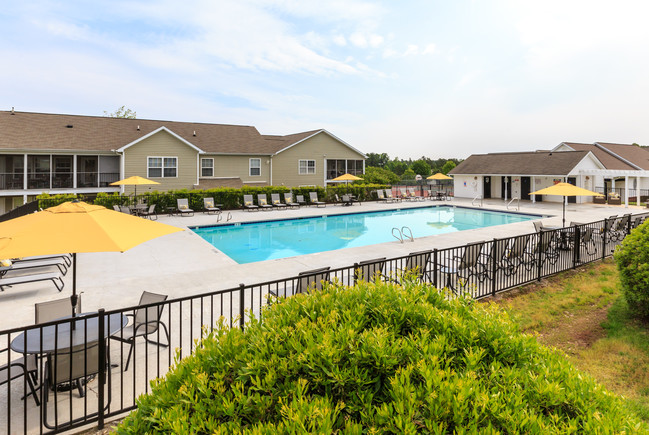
(268, 240)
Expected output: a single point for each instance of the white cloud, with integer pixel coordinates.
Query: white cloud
(358, 39)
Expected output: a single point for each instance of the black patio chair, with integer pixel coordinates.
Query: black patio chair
(146, 321)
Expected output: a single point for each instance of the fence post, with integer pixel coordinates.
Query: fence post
(102, 368)
(242, 301)
(576, 247)
(604, 238)
(539, 260)
(435, 267)
(494, 260)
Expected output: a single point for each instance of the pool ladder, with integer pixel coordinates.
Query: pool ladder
(219, 217)
(401, 233)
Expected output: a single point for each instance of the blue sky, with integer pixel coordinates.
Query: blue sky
(410, 78)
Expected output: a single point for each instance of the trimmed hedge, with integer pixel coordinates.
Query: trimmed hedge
(632, 259)
(377, 358)
(232, 198)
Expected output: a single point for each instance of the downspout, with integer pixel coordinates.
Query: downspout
(270, 169)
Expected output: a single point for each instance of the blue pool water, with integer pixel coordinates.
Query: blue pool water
(258, 241)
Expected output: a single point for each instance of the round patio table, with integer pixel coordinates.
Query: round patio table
(59, 336)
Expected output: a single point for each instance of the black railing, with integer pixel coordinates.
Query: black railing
(23, 210)
(97, 371)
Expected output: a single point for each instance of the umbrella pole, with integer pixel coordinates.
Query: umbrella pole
(74, 298)
(564, 212)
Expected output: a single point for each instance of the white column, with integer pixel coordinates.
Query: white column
(637, 190)
(25, 174)
(626, 191)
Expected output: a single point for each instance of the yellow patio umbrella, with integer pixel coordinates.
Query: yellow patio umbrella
(74, 227)
(439, 176)
(565, 189)
(347, 177)
(135, 180)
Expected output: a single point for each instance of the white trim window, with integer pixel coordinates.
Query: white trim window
(306, 167)
(207, 167)
(255, 167)
(162, 167)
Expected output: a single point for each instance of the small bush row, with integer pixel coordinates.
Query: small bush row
(231, 198)
(377, 358)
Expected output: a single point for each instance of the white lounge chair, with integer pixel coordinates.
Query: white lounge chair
(210, 207)
(183, 207)
(24, 279)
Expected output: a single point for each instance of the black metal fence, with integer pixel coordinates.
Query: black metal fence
(68, 373)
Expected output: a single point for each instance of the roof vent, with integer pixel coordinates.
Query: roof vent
(12, 110)
(69, 126)
(194, 132)
(138, 128)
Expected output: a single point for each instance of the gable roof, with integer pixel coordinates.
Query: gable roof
(635, 154)
(29, 131)
(294, 139)
(609, 160)
(520, 163)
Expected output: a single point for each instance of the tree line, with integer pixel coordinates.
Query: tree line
(381, 169)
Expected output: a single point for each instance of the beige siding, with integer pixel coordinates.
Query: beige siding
(239, 166)
(285, 164)
(161, 144)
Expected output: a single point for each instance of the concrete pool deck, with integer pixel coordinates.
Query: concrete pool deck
(184, 264)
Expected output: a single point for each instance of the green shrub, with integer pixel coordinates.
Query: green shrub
(377, 358)
(632, 259)
(46, 200)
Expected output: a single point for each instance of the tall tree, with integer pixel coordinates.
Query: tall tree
(450, 164)
(421, 167)
(377, 160)
(122, 112)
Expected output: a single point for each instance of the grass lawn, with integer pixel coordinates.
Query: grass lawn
(583, 313)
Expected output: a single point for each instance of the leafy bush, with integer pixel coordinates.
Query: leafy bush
(46, 200)
(377, 358)
(380, 176)
(632, 259)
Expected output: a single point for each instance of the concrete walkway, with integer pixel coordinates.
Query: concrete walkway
(184, 264)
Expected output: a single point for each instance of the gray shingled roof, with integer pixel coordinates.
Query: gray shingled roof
(609, 161)
(522, 163)
(42, 131)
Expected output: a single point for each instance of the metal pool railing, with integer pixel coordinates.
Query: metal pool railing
(70, 373)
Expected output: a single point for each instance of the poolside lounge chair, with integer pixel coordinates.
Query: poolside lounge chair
(464, 266)
(116, 208)
(417, 263)
(288, 199)
(546, 248)
(337, 200)
(146, 321)
(26, 366)
(390, 197)
(413, 195)
(209, 207)
(248, 204)
(46, 262)
(53, 310)
(380, 197)
(313, 196)
(496, 259)
(312, 280)
(67, 258)
(369, 269)
(518, 255)
(263, 202)
(276, 202)
(586, 240)
(150, 213)
(183, 207)
(300, 200)
(55, 277)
